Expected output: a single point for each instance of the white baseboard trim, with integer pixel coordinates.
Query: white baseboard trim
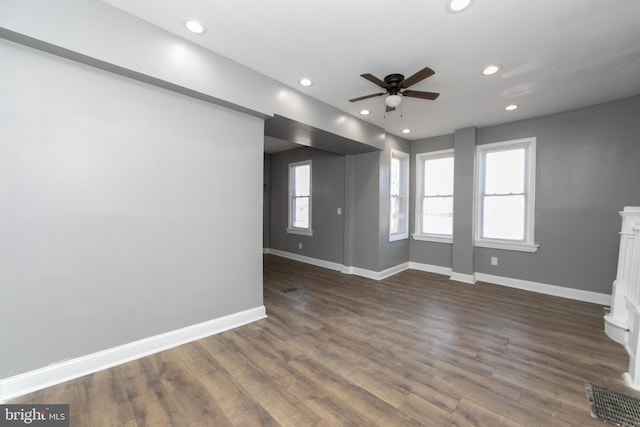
(47, 376)
(388, 272)
(543, 288)
(376, 275)
(464, 278)
(429, 268)
(629, 381)
(307, 260)
(362, 272)
(357, 271)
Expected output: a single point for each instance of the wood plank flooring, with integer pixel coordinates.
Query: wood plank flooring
(414, 349)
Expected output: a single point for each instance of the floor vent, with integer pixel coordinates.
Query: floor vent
(612, 407)
(287, 290)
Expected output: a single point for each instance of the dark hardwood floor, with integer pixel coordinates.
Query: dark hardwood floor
(414, 349)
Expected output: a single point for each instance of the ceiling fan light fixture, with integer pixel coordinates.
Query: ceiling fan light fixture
(457, 6)
(392, 101)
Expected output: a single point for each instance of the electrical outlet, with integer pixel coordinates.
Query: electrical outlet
(494, 260)
(300, 245)
(339, 211)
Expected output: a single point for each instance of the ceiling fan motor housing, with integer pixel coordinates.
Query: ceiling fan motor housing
(394, 80)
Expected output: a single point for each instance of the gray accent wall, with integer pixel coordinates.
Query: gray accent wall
(587, 169)
(328, 186)
(359, 184)
(266, 202)
(464, 160)
(365, 208)
(126, 210)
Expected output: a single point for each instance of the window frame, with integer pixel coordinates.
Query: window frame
(403, 196)
(527, 244)
(291, 229)
(420, 171)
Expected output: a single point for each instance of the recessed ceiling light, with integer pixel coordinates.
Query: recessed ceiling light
(511, 107)
(457, 6)
(194, 26)
(491, 69)
(306, 82)
(365, 112)
(406, 130)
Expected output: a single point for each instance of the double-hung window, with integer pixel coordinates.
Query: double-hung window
(505, 195)
(399, 196)
(434, 196)
(300, 198)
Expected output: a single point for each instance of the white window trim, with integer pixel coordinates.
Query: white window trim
(300, 231)
(427, 237)
(432, 238)
(290, 228)
(527, 245)
(507, 245)
(404, 158)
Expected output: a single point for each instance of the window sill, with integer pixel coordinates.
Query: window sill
(300, 231)
(510, 246)
(397, 237)
(432, 238)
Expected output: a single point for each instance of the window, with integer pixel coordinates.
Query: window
(434, 196)
(399, 196)
(300, 198)
(505, 195)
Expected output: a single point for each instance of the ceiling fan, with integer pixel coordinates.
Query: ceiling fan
(396, 85)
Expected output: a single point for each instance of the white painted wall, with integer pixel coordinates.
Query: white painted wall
(125, 210)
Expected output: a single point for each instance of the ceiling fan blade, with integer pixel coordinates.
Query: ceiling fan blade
(390, 109)
(366, 96)
(373, 79)
(417, 77)
(420, 94)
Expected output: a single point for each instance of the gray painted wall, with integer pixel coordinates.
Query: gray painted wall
(365, 206)
(587, 171)
(328, 187)
(357, 183)
(390, 254)
(126, 210)
(464, 159)
(266, 202)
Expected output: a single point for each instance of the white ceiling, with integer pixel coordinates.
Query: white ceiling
(556, 55)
